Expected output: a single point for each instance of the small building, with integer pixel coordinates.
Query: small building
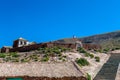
(20, 42)
(5, 49)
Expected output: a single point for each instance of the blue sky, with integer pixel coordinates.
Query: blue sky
(47, 20)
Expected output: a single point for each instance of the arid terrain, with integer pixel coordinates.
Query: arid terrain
(89, 62)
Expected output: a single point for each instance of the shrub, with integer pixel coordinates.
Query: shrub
(88, 76)
(2, 55)
(82, 50)
(91, 55)
(106, 50)
(99, 50)
(24, 60)
(15, 60)
(56, 51)
(59, 55)
(87, 54)
(45, 59)
(36, 59)
(97, 59)
(112, 49)
(6, 59)
(60, 58)
(64, 56)
(82, 62)
(34, 56)
(14, 54)
(63, 59)
(40, 49)
(63, 49)
(117, 48)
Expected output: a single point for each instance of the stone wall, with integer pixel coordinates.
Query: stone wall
(50, 44)
(63, 78)
(91, 46)
(5, 50)
(41, 45)
(47, 78)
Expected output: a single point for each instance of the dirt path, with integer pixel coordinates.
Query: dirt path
(109, 69)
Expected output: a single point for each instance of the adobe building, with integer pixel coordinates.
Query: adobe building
(22, 42)
(5, 49)
(23, 45)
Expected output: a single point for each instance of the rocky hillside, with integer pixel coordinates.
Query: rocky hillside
(111, 40)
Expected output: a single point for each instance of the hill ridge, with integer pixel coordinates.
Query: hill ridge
(106, 40)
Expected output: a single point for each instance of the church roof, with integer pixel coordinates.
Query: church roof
(21, 39)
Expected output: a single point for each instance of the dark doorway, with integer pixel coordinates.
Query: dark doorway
(14, 79)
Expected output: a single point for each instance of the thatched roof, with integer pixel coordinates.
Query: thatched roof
(40, 69)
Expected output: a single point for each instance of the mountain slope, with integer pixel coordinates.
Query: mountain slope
(111, 40)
